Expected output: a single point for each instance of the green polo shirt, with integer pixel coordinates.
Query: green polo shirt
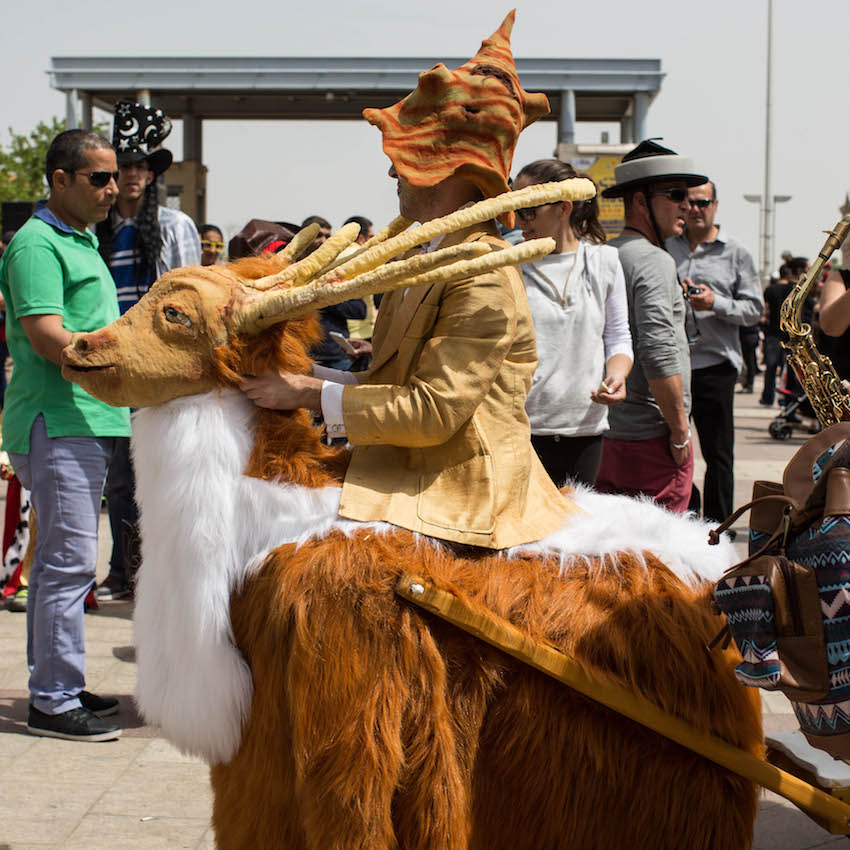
(50, 268)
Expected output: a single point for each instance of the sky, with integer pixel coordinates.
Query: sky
(711, 105)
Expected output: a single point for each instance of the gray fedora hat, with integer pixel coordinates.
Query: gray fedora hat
(651, 163)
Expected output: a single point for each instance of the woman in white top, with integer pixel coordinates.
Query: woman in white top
(577, 296)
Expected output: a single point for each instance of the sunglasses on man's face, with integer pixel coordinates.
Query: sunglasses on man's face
(700, 203)
(674, 195)
(209, 245)
(98, 179)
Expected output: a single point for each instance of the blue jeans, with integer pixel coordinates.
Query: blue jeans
(66, 476)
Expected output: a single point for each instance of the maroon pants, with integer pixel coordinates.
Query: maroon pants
(646, 468)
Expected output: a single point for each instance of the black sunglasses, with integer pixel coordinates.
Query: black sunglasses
(527, 214)
(674, 195)
(98, 179)
(700, 203)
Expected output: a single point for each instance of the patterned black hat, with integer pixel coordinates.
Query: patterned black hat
(138, 131)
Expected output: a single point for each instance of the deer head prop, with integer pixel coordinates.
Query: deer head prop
(165, 346)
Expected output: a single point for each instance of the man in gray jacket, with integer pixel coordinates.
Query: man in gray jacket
(648, 447)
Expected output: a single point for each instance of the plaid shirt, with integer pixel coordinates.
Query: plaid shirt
(181, 246)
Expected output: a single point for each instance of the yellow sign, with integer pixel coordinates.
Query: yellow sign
(600, 169)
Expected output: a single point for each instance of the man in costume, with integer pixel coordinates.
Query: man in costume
(441, 439)
(140, 240)
(58, 437)
(648, 448)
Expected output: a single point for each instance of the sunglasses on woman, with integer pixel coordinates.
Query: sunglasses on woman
(527, 214)
(209, 245)
(98, 179)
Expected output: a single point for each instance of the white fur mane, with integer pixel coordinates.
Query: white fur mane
(206, 527)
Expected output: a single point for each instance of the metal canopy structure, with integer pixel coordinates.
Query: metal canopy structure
(334, 88)
(195, 89)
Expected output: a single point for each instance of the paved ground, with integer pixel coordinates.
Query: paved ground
(139, 792)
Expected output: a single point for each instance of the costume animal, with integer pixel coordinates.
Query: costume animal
(333, 713)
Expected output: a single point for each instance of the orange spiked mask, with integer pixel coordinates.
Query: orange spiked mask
(464, 122)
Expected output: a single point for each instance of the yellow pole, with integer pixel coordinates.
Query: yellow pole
(503, 635)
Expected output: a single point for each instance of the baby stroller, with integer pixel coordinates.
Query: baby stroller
(796, 413)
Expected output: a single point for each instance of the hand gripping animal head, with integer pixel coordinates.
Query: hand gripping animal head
(170, 344)
(464, 122)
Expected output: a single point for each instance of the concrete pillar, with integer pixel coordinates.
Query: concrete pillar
(192, 138)
(85, 111)
(640, 111)
(627, 132)
(567, 118)
(72, 121)
(143, 96)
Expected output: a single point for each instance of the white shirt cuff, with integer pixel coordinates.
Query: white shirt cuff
(332, 405)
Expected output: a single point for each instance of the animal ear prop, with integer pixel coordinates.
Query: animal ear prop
(309, 286)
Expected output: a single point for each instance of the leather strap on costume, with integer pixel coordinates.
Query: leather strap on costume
(797, 478)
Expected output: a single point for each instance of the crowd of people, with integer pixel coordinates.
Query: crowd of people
(599, 355)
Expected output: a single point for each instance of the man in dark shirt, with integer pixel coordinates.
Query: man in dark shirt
(774, 295)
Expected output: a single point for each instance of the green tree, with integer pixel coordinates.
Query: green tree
(22, 163)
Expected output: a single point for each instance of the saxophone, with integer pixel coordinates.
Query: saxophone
(829, 398)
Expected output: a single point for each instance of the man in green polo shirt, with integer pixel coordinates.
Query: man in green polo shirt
(58, 437)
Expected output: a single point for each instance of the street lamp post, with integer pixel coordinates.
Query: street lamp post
(767, 200)
(767, 215)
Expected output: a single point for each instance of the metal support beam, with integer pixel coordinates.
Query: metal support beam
(192, 138)
(71, 119)
(567, 118)
(639, 115)
(86, 111)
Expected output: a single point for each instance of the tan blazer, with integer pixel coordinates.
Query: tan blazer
(442, 441)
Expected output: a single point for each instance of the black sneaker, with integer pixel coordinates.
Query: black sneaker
(78, 724)
(101, 706)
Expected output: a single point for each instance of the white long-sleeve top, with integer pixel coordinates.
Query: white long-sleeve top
(578, 303)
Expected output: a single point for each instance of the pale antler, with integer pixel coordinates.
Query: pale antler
(297, 245)
(396, 226)
(446, 266)
(273, 307)
(283, 301)
(312, 265)
(574, 189)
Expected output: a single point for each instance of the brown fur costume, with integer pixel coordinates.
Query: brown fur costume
(375, 725)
